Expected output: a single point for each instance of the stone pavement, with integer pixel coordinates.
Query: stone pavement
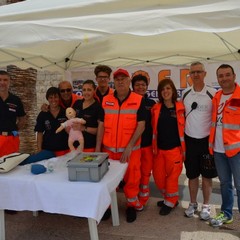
(148, 226)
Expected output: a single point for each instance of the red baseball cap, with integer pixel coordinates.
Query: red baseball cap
(121, 71)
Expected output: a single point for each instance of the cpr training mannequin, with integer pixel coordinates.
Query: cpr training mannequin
(74, 134)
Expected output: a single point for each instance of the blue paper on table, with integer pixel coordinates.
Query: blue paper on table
(43, 155)
(38, 169)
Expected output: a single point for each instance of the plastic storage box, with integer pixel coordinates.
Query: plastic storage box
(88, 167)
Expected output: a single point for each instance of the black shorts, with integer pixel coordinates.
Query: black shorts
(198, 160)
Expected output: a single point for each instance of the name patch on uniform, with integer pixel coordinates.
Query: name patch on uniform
(109, 103)
(12, 107)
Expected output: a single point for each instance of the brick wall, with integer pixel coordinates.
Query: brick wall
(46, 79)
(31, 86)
(23, 84)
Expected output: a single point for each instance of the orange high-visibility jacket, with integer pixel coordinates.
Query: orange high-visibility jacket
(120, 122)
(180, 122)
(230, 123)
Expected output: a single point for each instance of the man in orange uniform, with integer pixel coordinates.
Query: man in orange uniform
(103, 74)
(224, 141)
(120, 132)
(12, 117)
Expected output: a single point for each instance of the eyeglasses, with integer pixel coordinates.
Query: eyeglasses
(196, 72)
(65, 90)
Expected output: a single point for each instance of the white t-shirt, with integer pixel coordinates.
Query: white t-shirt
(218, 143)
(198, 121)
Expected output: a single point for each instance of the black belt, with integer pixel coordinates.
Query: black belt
(195, 139)
(6, 133)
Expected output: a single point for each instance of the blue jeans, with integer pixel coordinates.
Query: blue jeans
(228, 168)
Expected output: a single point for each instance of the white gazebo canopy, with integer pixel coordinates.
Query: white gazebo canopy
(67, 34)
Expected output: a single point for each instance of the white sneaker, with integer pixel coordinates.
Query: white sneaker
(205, 213)
(192, 208)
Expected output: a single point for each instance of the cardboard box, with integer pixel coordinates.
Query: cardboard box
(88, 167)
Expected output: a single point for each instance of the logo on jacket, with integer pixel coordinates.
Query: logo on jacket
(109, 103)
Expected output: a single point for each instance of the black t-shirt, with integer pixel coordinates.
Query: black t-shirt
(168, 136)
(148, 132)
(100, 96)
(47, 124)
(10, 109)
(91, 115)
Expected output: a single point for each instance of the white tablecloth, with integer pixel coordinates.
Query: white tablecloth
(52, 191)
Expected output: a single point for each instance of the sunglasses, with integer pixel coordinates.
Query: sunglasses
(65, 90)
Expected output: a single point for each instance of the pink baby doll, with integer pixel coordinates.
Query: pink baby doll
(74, 134)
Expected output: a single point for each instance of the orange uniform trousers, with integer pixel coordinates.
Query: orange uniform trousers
(167, 167)
(132, 175)
(9, 144)
(146, 171)
(89, 150)
(61, 152)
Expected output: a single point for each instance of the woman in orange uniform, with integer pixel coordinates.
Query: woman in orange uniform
(168, 144)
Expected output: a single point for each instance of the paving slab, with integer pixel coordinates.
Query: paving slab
(148, 226)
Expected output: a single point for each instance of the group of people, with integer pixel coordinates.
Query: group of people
(200, 131)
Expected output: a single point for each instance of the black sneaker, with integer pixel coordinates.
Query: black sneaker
(165, 210)
(106, 215)
(131, 214)
(161, 203)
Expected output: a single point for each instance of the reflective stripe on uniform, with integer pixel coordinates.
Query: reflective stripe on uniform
(122, 111)
(143, 194)
(132, 199)
(119, 150)
(171, 194)
(169, 204)
(231, 126)
(142, 186)
(232, 146)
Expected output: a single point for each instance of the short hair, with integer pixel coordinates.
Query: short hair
(225, 66)
(102, 68)
(197, 63)
(3, 72)
(91, 82)
(52, 91)
(162, 84)
(139, 77)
